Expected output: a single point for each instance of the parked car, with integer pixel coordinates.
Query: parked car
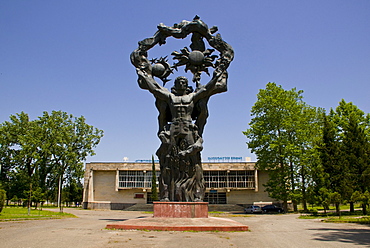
(253, 210)
(272, 208)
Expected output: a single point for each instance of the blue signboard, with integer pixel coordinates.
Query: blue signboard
(225, 159)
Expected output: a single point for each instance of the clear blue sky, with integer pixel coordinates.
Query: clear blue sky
(74, 56)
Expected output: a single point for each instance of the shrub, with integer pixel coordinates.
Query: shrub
(2, 199)
(313, 211)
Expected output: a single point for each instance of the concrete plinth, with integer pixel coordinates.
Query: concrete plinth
(180, 209)
(180, 224)
(180, 216)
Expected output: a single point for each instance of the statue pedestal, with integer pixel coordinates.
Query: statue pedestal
(180, 216)
(180, 209)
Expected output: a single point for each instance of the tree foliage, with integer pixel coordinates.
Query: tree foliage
(281, 135)
(46, 152)
(154, 182)
(2, 197)
(310, 156)
(345, 152)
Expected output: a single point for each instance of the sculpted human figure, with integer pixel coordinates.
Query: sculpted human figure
(183, 112)
(181, 171)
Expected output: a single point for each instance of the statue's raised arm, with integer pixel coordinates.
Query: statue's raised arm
(150, 84)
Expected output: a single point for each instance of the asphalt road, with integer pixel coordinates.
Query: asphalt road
(88, 230)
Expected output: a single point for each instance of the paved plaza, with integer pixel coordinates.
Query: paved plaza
(88, 230)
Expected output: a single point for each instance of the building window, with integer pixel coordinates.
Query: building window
(136, 179)
(231, 179)
(215, 179)
(241, 179)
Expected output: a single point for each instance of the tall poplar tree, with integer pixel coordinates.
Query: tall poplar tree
(154, 182)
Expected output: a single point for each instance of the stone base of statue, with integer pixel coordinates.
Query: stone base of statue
(180, 209)
(180, 216)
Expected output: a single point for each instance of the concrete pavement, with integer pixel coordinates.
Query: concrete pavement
(88, 230)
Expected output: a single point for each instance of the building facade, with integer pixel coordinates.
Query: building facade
(120, 185)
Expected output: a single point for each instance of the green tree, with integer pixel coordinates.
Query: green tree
(37, 196)
(71, 141)
(154, 182)
(308, 135)
(345, 110)
(356, 149)
(73, 191)
(18, 184)
(25, 140)
(2, 199)
(334, 173)
(323, 197)
(5, 159)
(344, 152)
(365, 200)
(336, 199)
(279, 136)
(15, 199)
(47, 151)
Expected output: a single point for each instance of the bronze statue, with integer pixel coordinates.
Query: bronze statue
(183, 111)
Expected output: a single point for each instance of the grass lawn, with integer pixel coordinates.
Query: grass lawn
(331, 207)
(346, 217)
(20, 213)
